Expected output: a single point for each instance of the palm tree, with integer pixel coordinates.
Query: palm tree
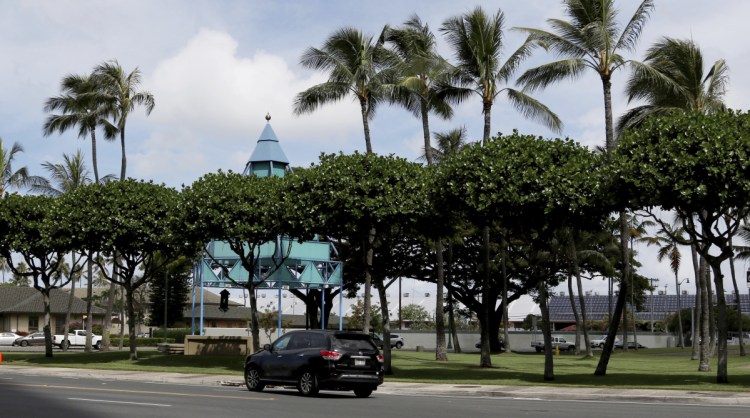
(448, 144)
(120, 93)
(592, 39)
(477, 41)
(422, 70)
(672, 77)
(81, 107)
(668, 239)
(356, 66)
(65, 177)
(9, 177)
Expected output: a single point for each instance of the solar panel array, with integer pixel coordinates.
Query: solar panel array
(660, 306)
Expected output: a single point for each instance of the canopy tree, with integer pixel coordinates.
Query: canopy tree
(246, 212)
(31, 226)
(699, 166)
(129, 221)
(531, 188)
(352, 196)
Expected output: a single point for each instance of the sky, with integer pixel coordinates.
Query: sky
(216, 68)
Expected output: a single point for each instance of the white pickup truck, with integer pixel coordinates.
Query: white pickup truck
(556, 342)
(77, 337)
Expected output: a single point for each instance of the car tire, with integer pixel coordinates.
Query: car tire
(252, 379)
(307, 384)
(539, 349)
(23, 343)
(601, 345)
(65, 345)
(363, 392)
(398, 345)
(98, 345)
(572, 348)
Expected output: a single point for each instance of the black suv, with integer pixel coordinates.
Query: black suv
(314, 360)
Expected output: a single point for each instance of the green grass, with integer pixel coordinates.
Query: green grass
(652, 368)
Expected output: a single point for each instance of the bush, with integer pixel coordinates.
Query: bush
(141, 342)
(175, 334)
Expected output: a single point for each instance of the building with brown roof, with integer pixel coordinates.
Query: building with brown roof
(22, 309)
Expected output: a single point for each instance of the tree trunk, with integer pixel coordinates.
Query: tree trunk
(89, 307)
(254, 326)
(487, 110)
(737, 300)
(386, 325)
(106, 343)
(695, 337)
(131, 323)
(47, 326)
(721, 322)
(441, 352)
(368, 280)
(366, 124)
(608, 121)
(124, 164)
(572, 297)
(601, 368)
(705, 318)
(549, 365)
(681, 342)
(451, 316)
(504, 258)
(121, 334)
(426, 133)
(485, 358)
(581, 298)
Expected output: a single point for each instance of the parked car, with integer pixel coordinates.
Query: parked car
(396, 340)
(631, 345)
(599, 343)
(478, 345)
(8, 338)
(35, 338)
(314, 360)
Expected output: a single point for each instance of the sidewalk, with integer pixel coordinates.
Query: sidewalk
(422, 389)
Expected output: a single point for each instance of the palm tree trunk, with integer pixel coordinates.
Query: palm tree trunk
(89, 307)
(124, 163)
(721, 323)
(441, 351)
(67, 312)
(695, 332)
(93, 155)
(451, 316)
(705, 318)
(610, 133)
(737, 300)
(681, 343)
(426, 133)
(365, 124)
(487, 109)
(601, 368)
(572, 297)
(485, 359)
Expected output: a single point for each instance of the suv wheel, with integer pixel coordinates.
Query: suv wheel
(307, 383)
(363, 392)
(252, 379)
(399, 345)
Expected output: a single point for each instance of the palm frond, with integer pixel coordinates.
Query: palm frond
(535, 110)
(542, 76)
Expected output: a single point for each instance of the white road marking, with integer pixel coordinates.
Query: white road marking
(128, 403)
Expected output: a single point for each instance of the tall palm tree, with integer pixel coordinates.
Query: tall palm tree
(65, 177)
(591, 39)
(672, 77)
(120, 92)
(477, 40)
(448, 144)
(356, 66)
(421, 72)
(11, 178)
(81, 107)
(668, 239)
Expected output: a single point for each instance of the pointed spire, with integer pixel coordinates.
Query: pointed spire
(267, 158)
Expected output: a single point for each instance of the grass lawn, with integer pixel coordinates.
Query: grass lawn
(652, 368)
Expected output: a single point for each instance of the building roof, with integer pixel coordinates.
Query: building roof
(268, 148)
(14, 299)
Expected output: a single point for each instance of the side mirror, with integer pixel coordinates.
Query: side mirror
(267, 347)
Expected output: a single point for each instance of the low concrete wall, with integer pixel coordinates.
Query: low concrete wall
(217, 345)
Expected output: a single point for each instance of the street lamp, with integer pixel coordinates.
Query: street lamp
(652, 282)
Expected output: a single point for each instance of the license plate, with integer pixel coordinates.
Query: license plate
(359, 362)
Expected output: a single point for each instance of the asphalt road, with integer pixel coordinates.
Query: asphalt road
(23, 395)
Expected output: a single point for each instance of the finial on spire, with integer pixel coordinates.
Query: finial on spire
(268, 117)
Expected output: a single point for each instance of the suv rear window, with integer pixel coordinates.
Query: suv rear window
(353, 342)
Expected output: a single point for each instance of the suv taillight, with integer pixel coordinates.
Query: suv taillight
(330, 355)
(381, 358)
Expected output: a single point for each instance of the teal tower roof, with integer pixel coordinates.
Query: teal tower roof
(267, 159)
